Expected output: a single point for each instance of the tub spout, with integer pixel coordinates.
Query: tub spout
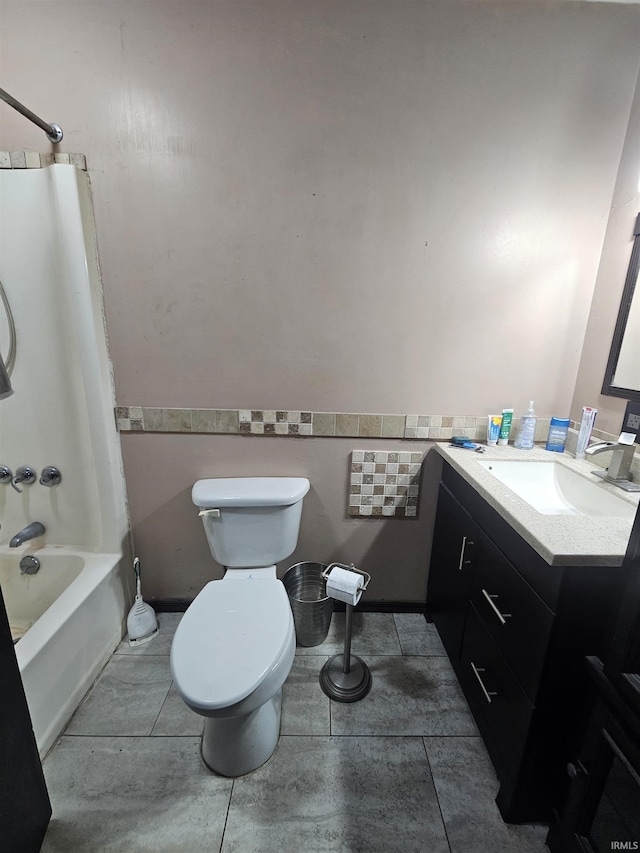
(29, 532)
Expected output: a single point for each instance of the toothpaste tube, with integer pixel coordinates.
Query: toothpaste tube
(505, 427)
(586, 427)
(493, 429)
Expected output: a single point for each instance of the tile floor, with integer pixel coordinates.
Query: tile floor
(402, 770)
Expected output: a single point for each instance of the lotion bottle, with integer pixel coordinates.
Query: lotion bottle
(527, 430)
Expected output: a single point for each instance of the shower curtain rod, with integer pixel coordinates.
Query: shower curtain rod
(53, 131)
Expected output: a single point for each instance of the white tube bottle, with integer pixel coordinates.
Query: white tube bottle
(527, 430)
(586, 426)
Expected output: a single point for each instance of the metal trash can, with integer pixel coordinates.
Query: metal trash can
(311, 606)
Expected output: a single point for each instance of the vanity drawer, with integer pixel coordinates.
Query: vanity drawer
(498, 702)
(514, 615)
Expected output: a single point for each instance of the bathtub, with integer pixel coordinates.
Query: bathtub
(68, 618)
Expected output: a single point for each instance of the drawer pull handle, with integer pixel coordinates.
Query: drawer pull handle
(501, 616)
(463, 562)
(576, 769)
(487, 693)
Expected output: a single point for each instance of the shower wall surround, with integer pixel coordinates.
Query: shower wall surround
(63, 393)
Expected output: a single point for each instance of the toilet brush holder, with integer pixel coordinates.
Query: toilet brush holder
(346, 677)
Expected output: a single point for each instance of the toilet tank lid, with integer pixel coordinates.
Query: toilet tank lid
(249, 491)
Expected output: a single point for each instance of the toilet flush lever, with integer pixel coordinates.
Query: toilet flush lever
(213, 512)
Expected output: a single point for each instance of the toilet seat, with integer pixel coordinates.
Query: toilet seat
(229, 640)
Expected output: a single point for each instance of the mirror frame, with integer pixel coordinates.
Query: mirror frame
(608, 388)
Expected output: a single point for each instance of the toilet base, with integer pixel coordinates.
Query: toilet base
(233, 746)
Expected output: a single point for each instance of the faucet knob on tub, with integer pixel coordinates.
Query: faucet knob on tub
(24, 474)
(6, 475)
(50, 476)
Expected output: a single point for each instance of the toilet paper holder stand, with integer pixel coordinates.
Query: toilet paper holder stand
(346, 677)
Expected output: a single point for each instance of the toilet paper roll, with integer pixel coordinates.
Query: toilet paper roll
(345, 585)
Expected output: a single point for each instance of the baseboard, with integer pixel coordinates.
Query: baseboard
(179, 605)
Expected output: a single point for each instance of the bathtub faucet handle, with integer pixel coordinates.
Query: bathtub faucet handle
(25, 475)
(50, 476)
(6, 475)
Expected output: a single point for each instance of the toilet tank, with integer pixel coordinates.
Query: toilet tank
(258, 518)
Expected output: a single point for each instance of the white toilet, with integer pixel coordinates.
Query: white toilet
(235, 645)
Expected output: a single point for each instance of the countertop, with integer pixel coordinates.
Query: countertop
(561, 540)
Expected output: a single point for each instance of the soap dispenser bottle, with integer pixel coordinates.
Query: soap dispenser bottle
(527, 431)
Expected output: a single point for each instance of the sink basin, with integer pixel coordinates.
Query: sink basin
(553, 489)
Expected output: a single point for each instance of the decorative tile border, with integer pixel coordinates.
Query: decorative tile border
(284, 423)
(35, 160)
(384, 484)
(280, 422)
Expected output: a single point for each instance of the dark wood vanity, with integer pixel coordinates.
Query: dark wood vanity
(517, 631)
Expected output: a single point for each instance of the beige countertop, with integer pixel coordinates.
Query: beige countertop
(561, 540)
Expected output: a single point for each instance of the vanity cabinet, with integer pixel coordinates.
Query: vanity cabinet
(516, 630)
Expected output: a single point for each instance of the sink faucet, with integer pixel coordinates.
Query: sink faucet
(29, 532)
(619, 470)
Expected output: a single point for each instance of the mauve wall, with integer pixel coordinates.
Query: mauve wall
(169, 533)
(330, 206)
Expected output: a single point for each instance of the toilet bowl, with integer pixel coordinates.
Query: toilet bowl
(234, 647)
(230, 656)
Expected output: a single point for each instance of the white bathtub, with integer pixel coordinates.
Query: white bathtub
(72, 610)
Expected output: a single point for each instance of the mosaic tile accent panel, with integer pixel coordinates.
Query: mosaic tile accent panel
(35, 160)
(274, 422)
(384, 484)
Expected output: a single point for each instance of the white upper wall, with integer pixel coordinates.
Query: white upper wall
(359, 205)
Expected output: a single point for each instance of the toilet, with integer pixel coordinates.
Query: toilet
(234, 647)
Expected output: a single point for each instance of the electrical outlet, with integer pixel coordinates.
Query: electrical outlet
(631, 421)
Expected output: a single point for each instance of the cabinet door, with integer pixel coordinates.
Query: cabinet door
(451, 569)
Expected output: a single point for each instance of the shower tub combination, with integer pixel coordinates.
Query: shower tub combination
(68, 618)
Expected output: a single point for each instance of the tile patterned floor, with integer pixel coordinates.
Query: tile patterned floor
(402, 770)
